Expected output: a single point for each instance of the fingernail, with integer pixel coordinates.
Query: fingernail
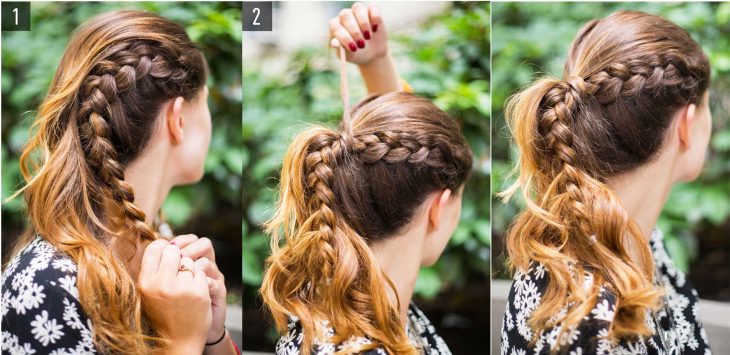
(173, 242)
(360, 43)
(353, 47)
(375, 27)
(366, 34)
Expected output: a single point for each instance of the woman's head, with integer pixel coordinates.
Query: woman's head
(394, 157)
(128, 83)
(634, 88)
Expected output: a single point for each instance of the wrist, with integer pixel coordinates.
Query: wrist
(216, 337)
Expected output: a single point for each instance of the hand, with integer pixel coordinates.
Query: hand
(177, 302)
(201, 251)
(360, 30)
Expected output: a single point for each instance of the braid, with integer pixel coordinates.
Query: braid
(110, 78)
(319, 171)
(556, 122)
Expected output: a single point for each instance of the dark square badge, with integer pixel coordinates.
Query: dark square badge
(257, 15)
(15, 16)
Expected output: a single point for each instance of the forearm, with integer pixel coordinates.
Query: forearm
(380, 75)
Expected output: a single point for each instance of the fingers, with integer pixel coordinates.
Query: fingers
(169, 262)
(201, 282)
(202, 247)
(216, 289)
(184, 240)
(185, 265)
(362, 16)
(347, 20)
(341, 34)
(376, 20)
(151, 258)
(209, 268)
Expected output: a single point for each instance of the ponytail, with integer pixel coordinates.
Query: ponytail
(325, 271)
(573, 223)
(625, 77)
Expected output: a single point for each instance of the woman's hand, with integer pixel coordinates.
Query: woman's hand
(201, 251)
(361, 31)
(175, 297)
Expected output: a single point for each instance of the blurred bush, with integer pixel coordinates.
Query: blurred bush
(210, 208)
(531, 39)
(445, 59)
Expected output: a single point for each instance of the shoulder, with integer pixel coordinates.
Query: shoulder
(425, 331)
(291, 342)
(40, 306)
(525, 296)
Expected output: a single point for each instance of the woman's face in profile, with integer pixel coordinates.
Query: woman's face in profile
(197, 133)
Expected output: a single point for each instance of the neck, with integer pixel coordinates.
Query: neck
(150, 188)
(400, 258)
(644, 190)
(149, 185)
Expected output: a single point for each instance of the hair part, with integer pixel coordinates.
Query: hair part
(100, 111)
(625, 77)
(339, 191)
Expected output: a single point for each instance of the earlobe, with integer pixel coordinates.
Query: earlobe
(686, 120)
(437, 208)
(174, 120)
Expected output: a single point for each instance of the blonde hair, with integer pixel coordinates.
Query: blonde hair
(625, 76)
(115, 73)
(340, 190)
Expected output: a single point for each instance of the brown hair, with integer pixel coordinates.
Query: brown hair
(341, 190)
(626, 75)
(115, 74)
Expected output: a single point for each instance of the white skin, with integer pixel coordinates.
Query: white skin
(422, 241)
(186, 307)
(644, 190)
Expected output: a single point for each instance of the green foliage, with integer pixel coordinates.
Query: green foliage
(30, 60)
(447, 60)
(532, 39)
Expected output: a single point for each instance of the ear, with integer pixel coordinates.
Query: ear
(687, 118)
(438, 204)
(174, 120)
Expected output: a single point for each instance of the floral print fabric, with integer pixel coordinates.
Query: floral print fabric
(676, 326)
(421, 333)
(41, 313)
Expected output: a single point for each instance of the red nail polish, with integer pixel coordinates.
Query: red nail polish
(366, 34)
(375, 27)
(353, 47)
(360, 43)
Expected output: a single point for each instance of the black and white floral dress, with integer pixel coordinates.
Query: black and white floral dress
(676, 325)
(421, 333)
(41, 313)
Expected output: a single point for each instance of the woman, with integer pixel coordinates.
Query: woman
(124, 120)
(600, 150)
(361, 209)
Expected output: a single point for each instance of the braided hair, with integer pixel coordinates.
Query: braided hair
(343, 189)
(98, 116)
(626, 76)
